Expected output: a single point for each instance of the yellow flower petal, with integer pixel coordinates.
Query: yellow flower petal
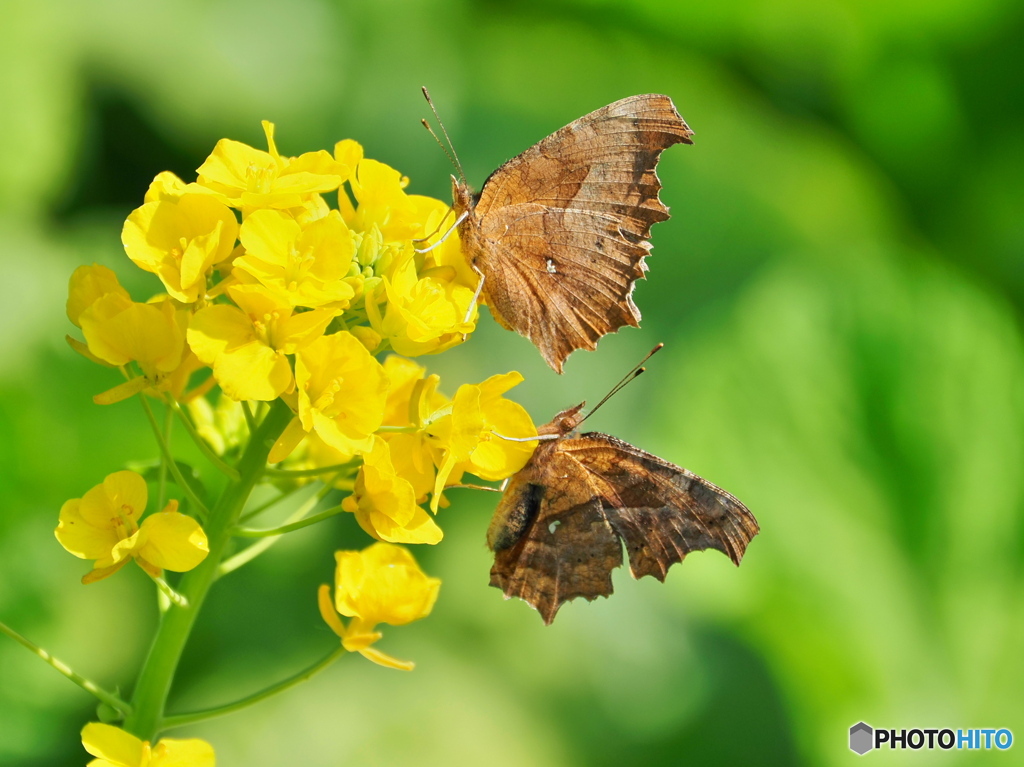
(287, 442)
(418, 528)
(467, 424)
(383, 584)
(229, 164)
(192, 752)
(447, 258)
(165, 186)
(300, 330)
(269, 236)
(122, 551)
(348, 152)
(342, 391)
(113, 744)
(82, 538)
(444, 473)
(382, 659)
(247, 345)
(403, 376)
(126, 491)
(383, 202)
(173, 541)
(253, 372)
(411, 455)
(121, 494)
(87, 284)
(327, 611)
(215, 329)
(123, 391)
(120, 331)
(466, 433)
(99, 573)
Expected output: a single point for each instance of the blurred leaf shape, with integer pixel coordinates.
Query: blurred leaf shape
(870, 414)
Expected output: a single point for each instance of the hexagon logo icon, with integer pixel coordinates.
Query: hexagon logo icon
(861, 738)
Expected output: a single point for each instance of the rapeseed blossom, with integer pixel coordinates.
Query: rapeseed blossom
(248, 344)
(303, 264)
(384, 501)
(470, 432)
(380, 584)
(103, 525)
(342, 391)
(179, 240)
(247, 178)
(114, 747)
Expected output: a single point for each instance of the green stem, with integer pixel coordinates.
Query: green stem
(165, 450)
(167, 591)
(201, 443)
(255, 512)
(162, 482)
(250, 419)
(88, 685)
(157, 673)
(180, 720)
(249, 553)
(248, 532)
(309, 472)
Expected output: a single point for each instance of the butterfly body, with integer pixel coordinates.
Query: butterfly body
(560, 232)
(559, 530)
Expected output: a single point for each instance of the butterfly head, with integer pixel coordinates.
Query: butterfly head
(463, 198)
(565, 422)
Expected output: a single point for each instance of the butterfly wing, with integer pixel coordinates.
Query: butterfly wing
(565, 547)
(661, 511)
(601, 493)
(567, 225)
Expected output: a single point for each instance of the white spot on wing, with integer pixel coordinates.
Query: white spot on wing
(551, 267)
(554, 526)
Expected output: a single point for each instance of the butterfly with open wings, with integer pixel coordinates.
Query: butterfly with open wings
(559, 233)
(559, 528)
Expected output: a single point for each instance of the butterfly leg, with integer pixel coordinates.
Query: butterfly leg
(538, 438)
(447, 234)
(436, 228)
(476, 294)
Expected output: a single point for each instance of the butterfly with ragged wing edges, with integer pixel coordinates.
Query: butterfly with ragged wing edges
(559, 233)
(560, 526)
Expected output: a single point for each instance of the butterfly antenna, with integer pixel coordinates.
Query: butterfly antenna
(441, 144)
(631, 375)
(453, 156)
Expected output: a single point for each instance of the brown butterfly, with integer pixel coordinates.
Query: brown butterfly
(559, 233)
(559, 528)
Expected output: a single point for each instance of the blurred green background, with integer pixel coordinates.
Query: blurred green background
(841, 288)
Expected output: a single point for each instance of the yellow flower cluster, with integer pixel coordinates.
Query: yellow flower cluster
(258, 268)
(281, 295)
(308, 282)
(427, 441)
